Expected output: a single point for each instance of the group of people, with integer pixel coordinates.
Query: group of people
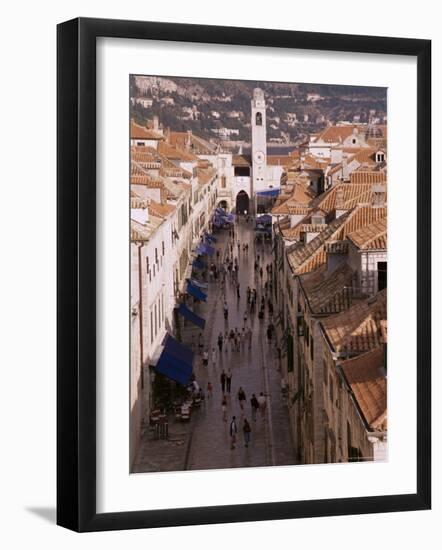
(236, 339)
(257, 403)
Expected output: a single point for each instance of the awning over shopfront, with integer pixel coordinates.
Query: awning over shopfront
(198, 264)
(196, 282)
(196, 292)
(265, 219)
(268, 193)
(210, 238)
(175, 361)
(204, 248)
(191, 316)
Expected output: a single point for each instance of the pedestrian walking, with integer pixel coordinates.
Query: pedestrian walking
(241, 397)
(223, 381)
(237, 339)
(262, 404)
(200, 342)
(205, 358)
(228, 380)
(249, 337)
(269, 333)
(213, 357)
(224, 407)
(232, 339)
(237, 291)
(226, 311)
(220, 342)
(233, 430)
(209, 390)
(245, 317)
(255, 406)
(247, 429)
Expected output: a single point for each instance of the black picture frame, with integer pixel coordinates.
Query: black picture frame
(76, 274)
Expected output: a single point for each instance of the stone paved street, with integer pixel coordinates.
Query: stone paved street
(204, 443)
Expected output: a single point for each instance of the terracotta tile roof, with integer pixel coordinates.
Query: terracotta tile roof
(142, 132)
(205, 175)
(138, 202)
(371, 237)
(368, 176)
(358, 329)
(298, 203)
(328, 293)
(280, 160)
(366, 378)
(192, 143)
(143, 232)
(365, 155)
(312, 162)
(345, 196)
(336, 134)
(160, 210)
(146, 156)
(337, 247)
(241, 160)
(173, 153)
(313, 228)
(312, 255)
(146, 180)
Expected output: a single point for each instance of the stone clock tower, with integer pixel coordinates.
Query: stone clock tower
(259, 143)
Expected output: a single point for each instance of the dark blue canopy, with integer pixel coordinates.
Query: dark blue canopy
(210, 238)
(196, 282)
(191, 316)
(198, 264)
(175, 361)
(177, 349)
(268, 193)
(196, 292)
(264, 219)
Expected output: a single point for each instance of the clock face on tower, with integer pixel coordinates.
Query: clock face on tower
(259, 157)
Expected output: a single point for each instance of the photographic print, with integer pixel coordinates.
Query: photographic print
(258, 306)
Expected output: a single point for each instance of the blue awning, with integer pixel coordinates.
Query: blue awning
(175, 361)
(265, 218)
(199, 284)
(191, 316)
(196, 292)
(198, 264)
(174, 369)
(209, 249)
(268, 193)
(204, 248)
(210, 238)
(177, 349)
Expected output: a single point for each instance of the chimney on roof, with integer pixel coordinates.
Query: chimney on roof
(339, 204)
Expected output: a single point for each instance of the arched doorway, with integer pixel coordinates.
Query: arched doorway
(242, 203)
